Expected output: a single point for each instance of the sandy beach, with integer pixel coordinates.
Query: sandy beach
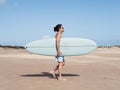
(99, 70)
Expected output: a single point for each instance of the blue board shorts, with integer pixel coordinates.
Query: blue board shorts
(59, 58)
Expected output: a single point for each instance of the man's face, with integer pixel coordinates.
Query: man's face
(62, 29)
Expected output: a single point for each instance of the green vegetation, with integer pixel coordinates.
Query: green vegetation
(118, 46)
(15, 47)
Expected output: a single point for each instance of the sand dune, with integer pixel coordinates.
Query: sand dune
(99, 70)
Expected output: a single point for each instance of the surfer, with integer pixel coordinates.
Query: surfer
(59, 58)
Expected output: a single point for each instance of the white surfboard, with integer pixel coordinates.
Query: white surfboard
(68, 46)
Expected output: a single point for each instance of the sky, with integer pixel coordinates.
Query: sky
(22, 21)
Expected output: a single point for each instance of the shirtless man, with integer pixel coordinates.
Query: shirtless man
(59, 58)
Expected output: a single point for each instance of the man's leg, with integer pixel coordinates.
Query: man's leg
(56, 68)
(60, 70)
(53, 71)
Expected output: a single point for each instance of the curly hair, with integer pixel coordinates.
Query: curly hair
(56, 28)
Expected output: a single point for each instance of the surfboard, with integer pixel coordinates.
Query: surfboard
(68, 46)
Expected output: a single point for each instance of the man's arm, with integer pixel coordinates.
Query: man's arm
(58, 44)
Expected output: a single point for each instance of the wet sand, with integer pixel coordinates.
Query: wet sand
(99, 70)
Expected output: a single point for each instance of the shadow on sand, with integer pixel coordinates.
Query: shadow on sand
(47, 74)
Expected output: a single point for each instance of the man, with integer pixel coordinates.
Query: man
(59, 58)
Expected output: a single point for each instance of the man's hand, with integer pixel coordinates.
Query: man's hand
(59, 53)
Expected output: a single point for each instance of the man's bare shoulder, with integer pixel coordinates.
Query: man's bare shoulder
(58, 35)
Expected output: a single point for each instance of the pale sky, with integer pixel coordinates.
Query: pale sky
(22, 21)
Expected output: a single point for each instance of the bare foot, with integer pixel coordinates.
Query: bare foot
(54, 76)
(60, 78)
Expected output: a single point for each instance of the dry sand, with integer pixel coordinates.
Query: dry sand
(99, 70)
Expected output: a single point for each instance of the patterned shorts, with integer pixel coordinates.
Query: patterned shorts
(59, 58)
